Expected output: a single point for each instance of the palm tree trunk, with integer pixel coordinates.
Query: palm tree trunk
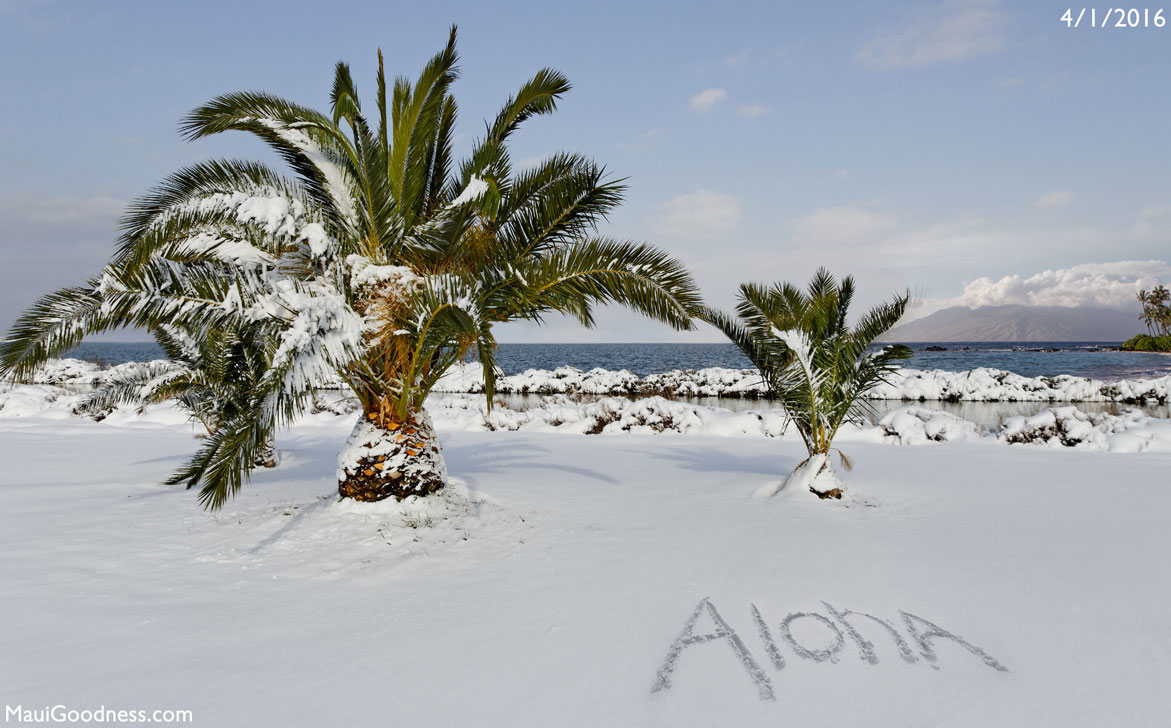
(266, 457)
(387, 457)
(815, 474)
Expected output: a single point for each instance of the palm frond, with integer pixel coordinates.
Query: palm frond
(815, 364)
(635, 275)
(52, 326)
(150, 383)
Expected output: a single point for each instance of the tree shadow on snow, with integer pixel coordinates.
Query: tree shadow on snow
(709, 459)
(470, 461)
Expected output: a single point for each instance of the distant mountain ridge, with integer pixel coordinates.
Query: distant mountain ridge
(1017, 322)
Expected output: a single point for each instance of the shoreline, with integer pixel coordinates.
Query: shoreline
(908, 385)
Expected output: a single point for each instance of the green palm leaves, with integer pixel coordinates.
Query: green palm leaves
(814, 362)
(380, 259)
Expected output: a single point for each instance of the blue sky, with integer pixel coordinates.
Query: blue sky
(974, 152)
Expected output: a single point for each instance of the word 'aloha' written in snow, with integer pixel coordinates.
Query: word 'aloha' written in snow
(837, 630)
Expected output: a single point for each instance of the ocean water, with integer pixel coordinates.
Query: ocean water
(1082, 359)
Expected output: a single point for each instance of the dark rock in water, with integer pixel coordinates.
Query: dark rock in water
(935, 348)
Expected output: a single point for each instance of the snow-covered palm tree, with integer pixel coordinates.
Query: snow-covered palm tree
(813, 361)
(381, 261)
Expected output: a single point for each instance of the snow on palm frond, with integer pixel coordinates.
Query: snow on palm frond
(273, 210)
(801, 349)
(321, 335)
(472, 193)
(234, 252)
(178, 345)
(336, 178)
(149, 383)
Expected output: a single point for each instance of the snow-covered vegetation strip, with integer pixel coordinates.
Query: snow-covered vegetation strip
(910, 385)
(1056, 427)
(977, 385)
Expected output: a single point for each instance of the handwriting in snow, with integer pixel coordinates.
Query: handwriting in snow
(838, 631)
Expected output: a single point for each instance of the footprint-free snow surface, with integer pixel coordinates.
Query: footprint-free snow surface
(571, 580)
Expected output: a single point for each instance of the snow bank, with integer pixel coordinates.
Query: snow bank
(1056, 427)
(994, 385)
(977, 385)
(918, 425)
(1130, 431)
(910, 385)
(76, 372)
(1070, 427)
(607, 416)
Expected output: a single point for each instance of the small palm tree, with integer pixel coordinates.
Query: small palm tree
(813, 362)
(381, 261)
(1161, 314)
(1148, 314)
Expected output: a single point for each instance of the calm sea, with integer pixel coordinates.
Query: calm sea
(1083, 359)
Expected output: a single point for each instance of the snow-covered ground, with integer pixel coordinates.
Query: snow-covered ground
(626, 579)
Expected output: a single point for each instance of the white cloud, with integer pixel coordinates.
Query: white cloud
(840, 225)
(951, 31)
(650, 134)
(752, 110)
(705, 100)
(699, 214)
(738, 59)
(1104, 285)
(1056, 198)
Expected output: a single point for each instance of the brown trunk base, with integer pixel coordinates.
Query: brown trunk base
(266, 458)
(391, 460)
(370, 485)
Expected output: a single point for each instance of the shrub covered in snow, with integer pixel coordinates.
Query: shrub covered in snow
(1131, 431)
(917, 425)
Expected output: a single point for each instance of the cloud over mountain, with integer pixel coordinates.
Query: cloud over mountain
(1091, 285)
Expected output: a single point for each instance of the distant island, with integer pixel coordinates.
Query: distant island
(1016, 322)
